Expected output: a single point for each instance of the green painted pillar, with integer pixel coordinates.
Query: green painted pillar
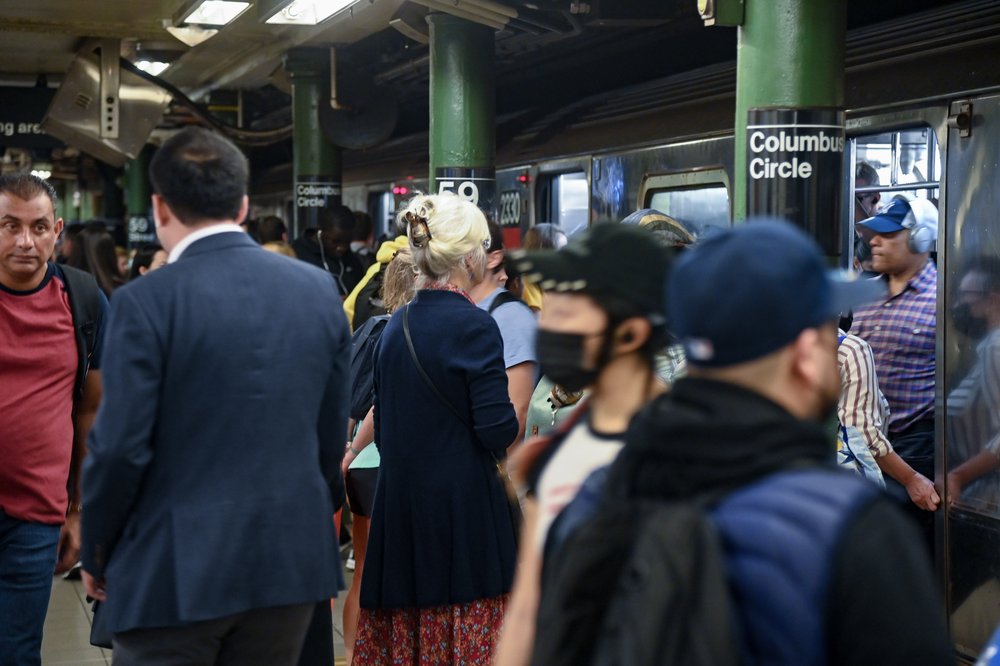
(317, 167)
(463, 110)
(789, 113)
(138, 213)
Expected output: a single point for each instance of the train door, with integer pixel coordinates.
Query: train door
(562, 194)
(969, 323)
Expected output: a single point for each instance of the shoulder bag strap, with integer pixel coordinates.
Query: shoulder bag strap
(513, 504)
(423, 374)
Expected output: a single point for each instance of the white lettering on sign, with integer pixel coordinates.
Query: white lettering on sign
(466, 189)
(317, 190)
(510, 208)
(10, 128)
(783, 142)
(764, 167)
(315, 195)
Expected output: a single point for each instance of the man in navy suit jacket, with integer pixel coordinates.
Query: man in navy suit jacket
(215, 459)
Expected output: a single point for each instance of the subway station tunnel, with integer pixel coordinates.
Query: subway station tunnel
(568, 112)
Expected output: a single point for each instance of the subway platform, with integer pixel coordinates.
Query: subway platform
(67, 628)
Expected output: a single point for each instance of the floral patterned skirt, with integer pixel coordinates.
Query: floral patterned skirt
(463, 634)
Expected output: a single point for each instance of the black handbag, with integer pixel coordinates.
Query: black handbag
(100, 635)
(513, 504)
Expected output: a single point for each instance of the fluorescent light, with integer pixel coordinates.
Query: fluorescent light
(150, 67)
(309, 12)
(190, 35)
(44, 174)
(211, 12)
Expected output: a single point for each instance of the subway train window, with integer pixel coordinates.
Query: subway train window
(893, 164)
(564, 199)
(700, 208)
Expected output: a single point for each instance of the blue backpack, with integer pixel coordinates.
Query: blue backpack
(740, 579)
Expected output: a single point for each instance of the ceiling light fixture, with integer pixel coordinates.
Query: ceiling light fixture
(155, 68)
(301, 12)
(209, 12)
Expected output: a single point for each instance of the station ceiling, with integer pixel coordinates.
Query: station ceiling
(566, 49)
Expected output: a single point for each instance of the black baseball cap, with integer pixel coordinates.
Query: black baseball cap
(749, 291)
(608, 259)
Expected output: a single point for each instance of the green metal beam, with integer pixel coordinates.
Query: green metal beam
(462, 107)
(316, 160)
(790, 54)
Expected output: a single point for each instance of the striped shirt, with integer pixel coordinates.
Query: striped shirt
(901, 331)
(974, 421)
(862, 405)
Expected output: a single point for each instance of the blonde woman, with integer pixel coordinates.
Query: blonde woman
(441, 551)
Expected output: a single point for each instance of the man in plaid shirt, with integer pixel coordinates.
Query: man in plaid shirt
(901, 329)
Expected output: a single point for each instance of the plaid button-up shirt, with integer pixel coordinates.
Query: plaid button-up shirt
(901, 331)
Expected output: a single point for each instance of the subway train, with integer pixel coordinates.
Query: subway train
(923, 108)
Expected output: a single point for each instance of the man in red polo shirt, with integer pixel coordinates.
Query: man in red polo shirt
(47, 403)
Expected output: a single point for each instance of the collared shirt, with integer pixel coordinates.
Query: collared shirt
(901, 333)
(862, 405)
(211, 230)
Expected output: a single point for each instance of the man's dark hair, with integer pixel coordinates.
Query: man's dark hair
(201, 175)
(26, 187)
(362, 225)
(337, 217)
(271, 229)
(72, 230)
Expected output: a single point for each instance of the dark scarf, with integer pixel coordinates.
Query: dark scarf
(706, 436)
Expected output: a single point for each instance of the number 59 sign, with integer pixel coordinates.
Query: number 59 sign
(472, 184)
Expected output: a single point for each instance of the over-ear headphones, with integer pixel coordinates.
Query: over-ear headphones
(922, 221)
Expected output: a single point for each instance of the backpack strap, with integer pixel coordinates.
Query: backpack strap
(85, 304)
(503, 298)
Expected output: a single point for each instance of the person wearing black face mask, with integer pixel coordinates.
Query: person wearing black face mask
(601, 324)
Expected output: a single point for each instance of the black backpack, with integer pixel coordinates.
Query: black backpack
(85, 304)
(362, 365)
(641, 583)
(368, 304)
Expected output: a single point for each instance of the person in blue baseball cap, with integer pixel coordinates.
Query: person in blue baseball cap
(812, 553)
(901, 329)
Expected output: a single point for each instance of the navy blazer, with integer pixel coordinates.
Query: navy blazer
(441, 529)
(215, 456)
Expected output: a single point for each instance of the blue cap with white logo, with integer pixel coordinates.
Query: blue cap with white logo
(750, 291)
(903, 214)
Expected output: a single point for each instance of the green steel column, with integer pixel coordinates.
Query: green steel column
(317, 167)
(137, 199)
(463, 110)
(790, 54)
